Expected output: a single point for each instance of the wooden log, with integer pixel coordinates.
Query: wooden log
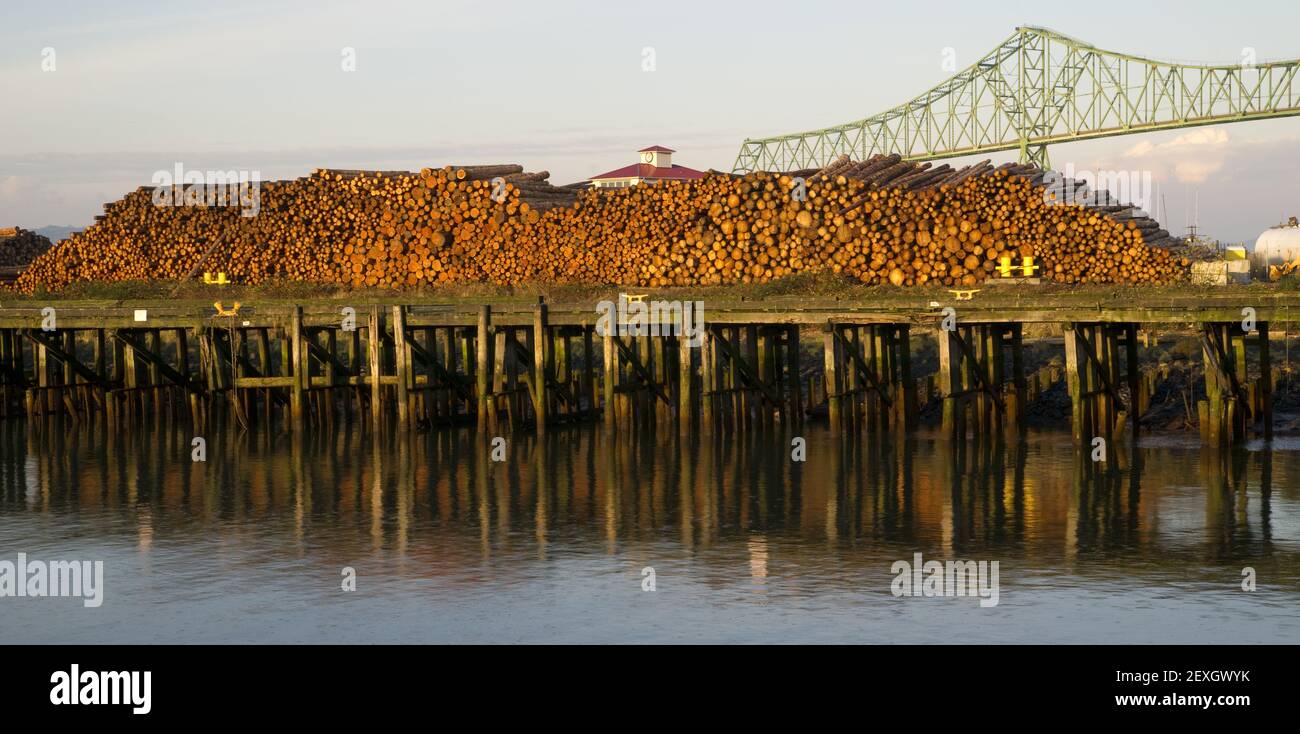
(833, 378)
(795, 409)
(610, 377)
(402, 357)
(883, 220)
(1075, 385)
(1265, 379)
(541, 346)
(374, 348)
(685, 380)
(298, 349)
(483, 365)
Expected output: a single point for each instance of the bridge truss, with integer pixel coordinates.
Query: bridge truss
(1037, 88)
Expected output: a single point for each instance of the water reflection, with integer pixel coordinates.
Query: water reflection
(1036, 498)
(550, 542)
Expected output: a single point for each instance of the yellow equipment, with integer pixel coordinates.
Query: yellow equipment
(1026, 266)
(1277, 272)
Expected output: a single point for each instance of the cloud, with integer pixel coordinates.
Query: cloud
(1200, 138)
(1143, 148)
(9, 186)
(1191, 157)
(1196, 171)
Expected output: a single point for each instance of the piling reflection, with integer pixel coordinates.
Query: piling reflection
(452, 495)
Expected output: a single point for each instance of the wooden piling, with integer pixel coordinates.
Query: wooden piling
(1074, 383)
(444, 372)
(402, 360)
(610, 377)
(483, 364)
(1265, 380)
(708, 357)
(685, 379)
(374, 345)
(1019, 385)
(590, 390)
(792, 359)
(297, 349)
(541, 339)
(834, 386)
(950, 380)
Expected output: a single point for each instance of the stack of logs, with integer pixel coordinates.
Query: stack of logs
(882, 171)
(881, 221)
(19, 246)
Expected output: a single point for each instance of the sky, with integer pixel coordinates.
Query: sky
(139, 86)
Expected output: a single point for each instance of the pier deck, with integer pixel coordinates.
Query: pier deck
(507, 364)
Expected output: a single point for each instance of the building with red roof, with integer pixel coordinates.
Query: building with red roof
(656, 165)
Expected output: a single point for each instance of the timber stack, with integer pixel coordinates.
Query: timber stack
(883, 220)
(18, 248)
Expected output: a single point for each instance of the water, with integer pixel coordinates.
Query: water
(550, 544)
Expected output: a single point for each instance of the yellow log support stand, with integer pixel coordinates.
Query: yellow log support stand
(1026, 266)
(234, 310)
(964, 294)
(218, 279)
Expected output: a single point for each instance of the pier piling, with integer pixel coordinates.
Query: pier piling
(511, 365)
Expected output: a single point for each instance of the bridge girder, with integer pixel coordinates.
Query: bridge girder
(1036, 88)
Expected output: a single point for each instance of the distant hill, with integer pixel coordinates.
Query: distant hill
(54, 233)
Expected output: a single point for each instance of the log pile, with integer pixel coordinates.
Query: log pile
(883, 220)
(19, 246)
(882, 171)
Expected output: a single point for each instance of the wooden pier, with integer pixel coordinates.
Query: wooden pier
(515, 365)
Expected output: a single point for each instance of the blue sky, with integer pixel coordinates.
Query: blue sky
(559, 86)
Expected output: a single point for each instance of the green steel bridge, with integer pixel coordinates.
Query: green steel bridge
(1037, 88)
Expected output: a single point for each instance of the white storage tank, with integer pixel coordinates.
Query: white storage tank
(1278, 245)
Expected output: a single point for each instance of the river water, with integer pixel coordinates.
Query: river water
(585, 536)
